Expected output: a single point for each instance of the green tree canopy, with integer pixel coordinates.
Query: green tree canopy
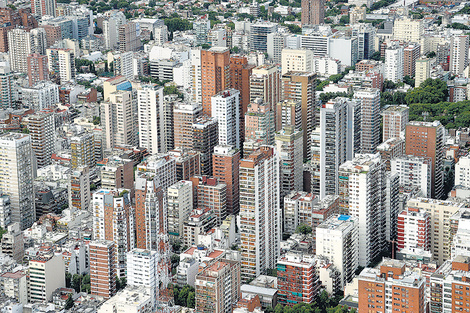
(430, 91)
(303, 229)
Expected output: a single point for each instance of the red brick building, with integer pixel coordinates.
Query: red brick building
(297, 279)
(215, 75)
(102, 269)
(225, 166)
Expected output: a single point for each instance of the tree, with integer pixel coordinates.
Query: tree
(177, 24)
(430, 91)
(388, 84)
(2, 232)
(96, 120)
(458, 26)
(294, 28)
(151, 36)
(121, 283)
(376, 56)
(303, 229)
(69, 303)
(408, 80)
(191, 301)
(77, 282)
(344, 19)
(172, 90)
(431, 54)
(235, 50)
(68, 280)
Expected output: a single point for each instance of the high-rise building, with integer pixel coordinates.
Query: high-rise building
(289, 113)
(152, 130)
(259, 123)
(276, 43)
(390, 280)
(339, 141)
(142, 269)
(461, 238)
(290, 151)
(453, 273)
(43, 7)
(259, 32)
(5, 211)
(458, 54)
(408, 30)
(240, 73)
(260, 225)
(411, 53)
(426, 139)
(300, 86)
(6, 94)
(226, 108)
(17, 175)
(394, 121)
(118, 120)
(162, 166)
(390, 149)
(184, 116)
(226, 166)
(414, 231)
(462, 172)
(205, 138)
(423, 70)
(215, 74)
(39, 97)
(313, 12)
(15, 285)
(211, 194)
(303, 208)
(440, 213)
(23, 43)
(218, 287)
(414, 172)
(38, 69)
(180, 205)
(201, 27)
(265, 83)
(362, 190)
(117, 174)
(200, 222)
(337, 238)
(12, 243)
(370, 118)
(128, 38)
(150, 213)
(123, 65)
(196, 78)
(79, 189)
(41, 128)
(103, 268)
(297, 60)
(188, 163)
(46, 274)
(394, 62)
(298, 279)
(83, 150)
(61, 63)
(111, 29)
(113, 219)
(365, 34)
